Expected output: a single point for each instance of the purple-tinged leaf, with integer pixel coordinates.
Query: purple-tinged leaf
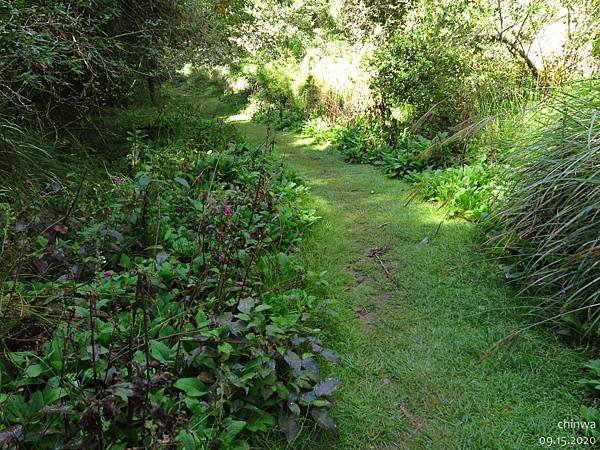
(75, 271)
(161, 257)
(109, 375)
(329, 355)
(327, 387)
(59, 255)
(308, 397)
(294, 362)
(114, 233)
(160, 379)
(290, 428)
(94, 352)
(16, 272)
(236, 327)
(11, 434)
(310, 365)
(60, 409)
(296, 341)
(123, 390)
(322, 418)
(111, 407)
(225, 319)
(245, 305)
(41, 265)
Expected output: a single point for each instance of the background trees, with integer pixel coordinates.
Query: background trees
(64, 61)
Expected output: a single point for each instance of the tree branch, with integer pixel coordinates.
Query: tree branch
(516, 50)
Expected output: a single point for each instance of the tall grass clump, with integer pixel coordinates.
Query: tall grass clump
(550, 221)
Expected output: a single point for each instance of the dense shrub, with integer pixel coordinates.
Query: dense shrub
(469, 191)
(330, 81)
(549, 222)
(284, 118)
(63, 61)
(164, 307)
(358, 141)
(398, 154)
(436, 66)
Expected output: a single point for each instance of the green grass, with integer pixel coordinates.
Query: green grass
(409, 365)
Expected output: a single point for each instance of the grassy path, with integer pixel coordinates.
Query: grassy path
(411, 319)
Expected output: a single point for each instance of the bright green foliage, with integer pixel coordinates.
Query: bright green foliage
(550, 220)
(283, 119)
(367, 143)
(275, 84)
(271, 29)
(469, 191)
(166, 308)
(442, 64)
(358, 142)
(275, 97)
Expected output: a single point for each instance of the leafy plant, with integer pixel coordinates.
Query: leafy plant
(398, 154)
(468, 191)
(164, 308)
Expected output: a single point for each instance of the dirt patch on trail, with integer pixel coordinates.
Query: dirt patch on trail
(358, 279)
(381, 298)
(369, 315)
(387, 267)
(376, 252)
(416, 425)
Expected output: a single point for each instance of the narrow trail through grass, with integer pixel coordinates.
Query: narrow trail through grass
(410, 320)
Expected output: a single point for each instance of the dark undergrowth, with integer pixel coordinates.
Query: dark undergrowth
(153, 299)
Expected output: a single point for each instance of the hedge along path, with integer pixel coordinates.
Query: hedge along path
(412, 316)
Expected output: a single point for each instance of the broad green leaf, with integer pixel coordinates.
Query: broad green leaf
(192, 387)
(232, 429)
(125, 261)
(35, 370)
(182, 181)
(161, 352)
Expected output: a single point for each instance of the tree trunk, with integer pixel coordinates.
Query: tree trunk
(151, 89)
